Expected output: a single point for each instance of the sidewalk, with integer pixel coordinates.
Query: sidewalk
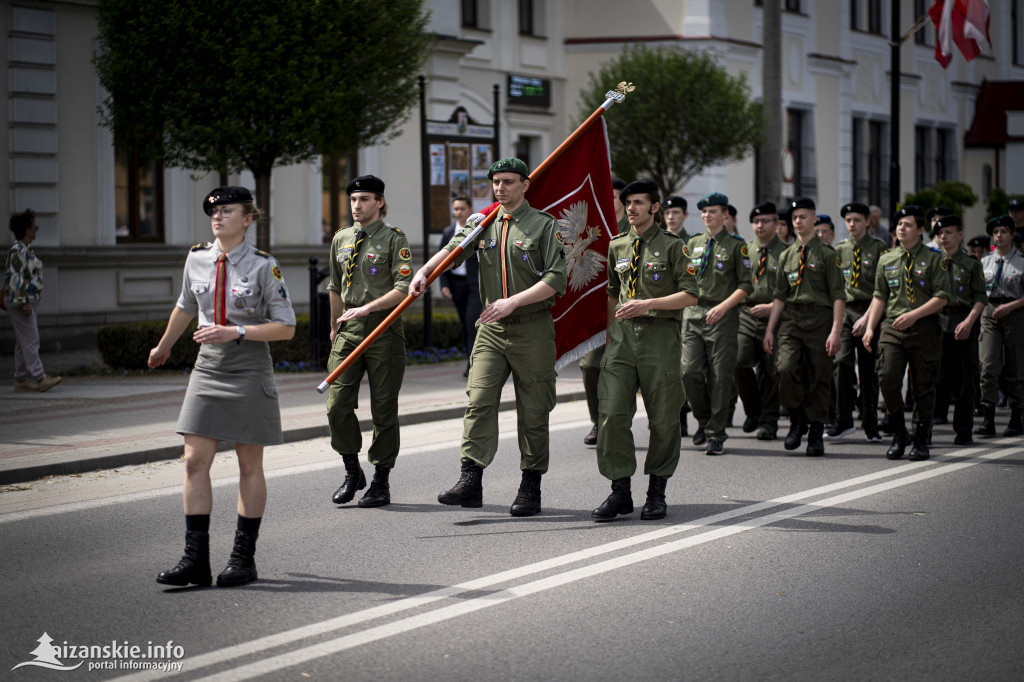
(84, 424)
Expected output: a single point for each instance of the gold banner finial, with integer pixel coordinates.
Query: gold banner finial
(620, 91)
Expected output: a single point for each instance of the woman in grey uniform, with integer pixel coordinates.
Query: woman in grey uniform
(242, 303)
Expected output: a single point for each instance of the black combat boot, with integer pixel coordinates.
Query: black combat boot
(469, 491)
(591, 438)
(1016, 425)
(527, 502)
(655, 507)
(797, 429)
(379, 493)
(899, 436)
(815, 446)
(194, 567)
(241, 568)
(619, 502)
(920, 451)
(354, 480)
(987, 427)
(684, 429)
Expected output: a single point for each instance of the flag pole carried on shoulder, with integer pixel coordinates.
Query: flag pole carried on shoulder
(613, 96)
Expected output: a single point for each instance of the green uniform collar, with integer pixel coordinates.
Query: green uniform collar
(372, 229)
(914, 251)
(518, 214)
(647, 236)
(813, 241)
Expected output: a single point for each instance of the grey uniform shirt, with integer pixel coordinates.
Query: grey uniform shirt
(255, 291)
(1011, 279)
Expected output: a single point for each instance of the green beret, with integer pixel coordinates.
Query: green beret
(713, 199)
(509, 165)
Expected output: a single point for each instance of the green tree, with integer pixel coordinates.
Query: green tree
(687, 114)
(220, 86)
(951, 194)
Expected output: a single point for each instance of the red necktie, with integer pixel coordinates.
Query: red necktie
(220, 310)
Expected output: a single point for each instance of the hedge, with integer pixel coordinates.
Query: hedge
(126, 346)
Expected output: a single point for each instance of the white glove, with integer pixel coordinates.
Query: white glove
(475, 219)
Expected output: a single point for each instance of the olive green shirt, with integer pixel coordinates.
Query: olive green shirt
(928, 274)
(871, 249)
(664, 269)
(383, 263)
(721, 263)
(966, 280)
(532, 253)
(764, 286)
(822, 282)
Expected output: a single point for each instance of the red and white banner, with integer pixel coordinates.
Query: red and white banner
(577, 190)
(964, 22)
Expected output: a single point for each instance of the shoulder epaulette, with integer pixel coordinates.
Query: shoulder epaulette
(935, 249)
(828, 246)
(672, 234)
(396, 229)
(202, 246)
(848, 240)
(546, 215)
(736, 236)
(261, 254)
(619, 235)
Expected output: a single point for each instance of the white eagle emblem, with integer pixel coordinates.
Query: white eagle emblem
(581, 262)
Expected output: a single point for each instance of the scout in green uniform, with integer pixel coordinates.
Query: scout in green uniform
(371, 266)
(858, 259)
(590, 364)
(959, 322)
(522, 269)
(1002, 329)
(674, 213)
(808, 313)
(760, 392)
(649, 279)
(710, 327)
(911, 286)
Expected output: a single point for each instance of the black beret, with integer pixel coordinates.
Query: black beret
(618, 183)
(674, 201)
(824, 219)
(983, 242)
(855, 207)
(802, 202)
(641, 186)
(938, 211)
(731, 209)
(366, 183)
(909, 211)
(713, 199)
(764, 208)
(948, 221)
(1002, 221)
(226, 195)
(1016, 203)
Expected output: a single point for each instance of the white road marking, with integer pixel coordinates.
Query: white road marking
(907, 474)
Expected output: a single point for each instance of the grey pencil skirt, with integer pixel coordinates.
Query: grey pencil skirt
(232, 395)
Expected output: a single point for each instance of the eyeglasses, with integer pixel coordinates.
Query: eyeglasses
(223, 211)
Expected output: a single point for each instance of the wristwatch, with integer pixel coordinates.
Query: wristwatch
(241, 334)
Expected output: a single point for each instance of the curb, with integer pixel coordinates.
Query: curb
(34, 472)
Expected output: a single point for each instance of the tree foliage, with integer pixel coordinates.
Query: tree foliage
(951, 194)
(686, 114)
(214, 85)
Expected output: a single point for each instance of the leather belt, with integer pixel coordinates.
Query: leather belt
(523, 319)
(706, 303)
(646, 321)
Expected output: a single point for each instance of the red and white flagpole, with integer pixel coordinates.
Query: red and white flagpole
(613, 96)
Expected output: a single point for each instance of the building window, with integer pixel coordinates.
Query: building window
(874, 16)
(924, 34)
(922, 157)
(870, 161)
(791, 5)
(475, 14)
(986, 181)
(1015, 33)
(531, 18)
(945, 155)
(338, 171)
(800, 139)
(138, 198)
(854, 16)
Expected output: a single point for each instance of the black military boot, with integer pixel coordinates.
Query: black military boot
(899, 436)
(241, 568)
(619, 502)
(987, 427)
(379, 493)
(194, 567)
(815, 446)
(527, 502)
(797, 429)
(655, 507)
(354, 480)
(469, 491)
(1016, 425)
(684, 429)
(591, 438)
(920, 451)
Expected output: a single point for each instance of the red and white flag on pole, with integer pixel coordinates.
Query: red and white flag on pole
(577, 190)
(964, 22)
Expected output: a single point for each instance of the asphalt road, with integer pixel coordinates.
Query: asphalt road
(769, 566)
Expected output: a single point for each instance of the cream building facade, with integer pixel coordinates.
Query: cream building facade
(114, 233)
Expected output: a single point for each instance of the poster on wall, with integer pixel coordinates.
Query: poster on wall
(438, 164)
(481, 159)
(459, 182)
(482, 197)
(460, 157)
